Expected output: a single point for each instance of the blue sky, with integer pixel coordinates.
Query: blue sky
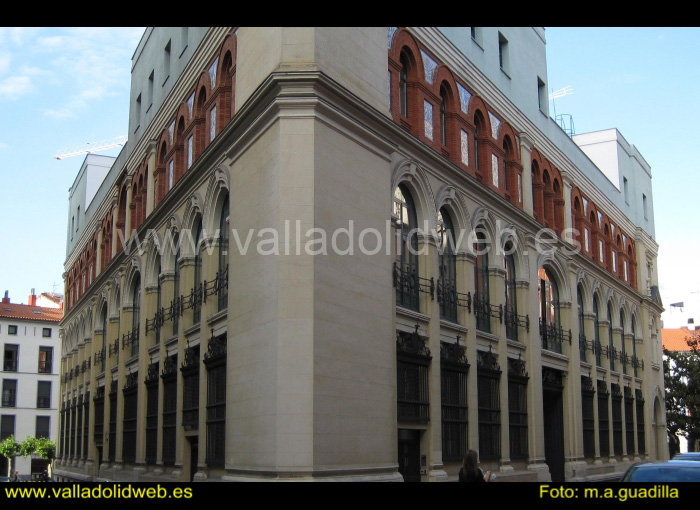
(62, 87)
(59, 87)
(644, 82)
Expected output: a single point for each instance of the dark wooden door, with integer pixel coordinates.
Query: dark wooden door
(554, 433)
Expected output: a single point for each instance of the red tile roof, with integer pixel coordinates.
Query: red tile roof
(56, 298)
(674, 339)
(28, 312)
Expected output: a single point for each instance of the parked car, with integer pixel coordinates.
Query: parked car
(687, 456)
(670, 471)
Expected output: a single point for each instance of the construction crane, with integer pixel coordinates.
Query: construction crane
(90, 147)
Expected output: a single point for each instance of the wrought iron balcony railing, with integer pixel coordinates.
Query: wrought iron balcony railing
(449, 299)
(483, 310)
(218, 286)
(131, 338)
(114, 349)
(582, 346)
(408, 285)
(553, 337)
(514, 321)
(100, 359)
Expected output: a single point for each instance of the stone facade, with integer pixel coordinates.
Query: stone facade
(343, 357)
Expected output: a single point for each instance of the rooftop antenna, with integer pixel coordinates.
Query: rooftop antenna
(565, 121)
(90, 147)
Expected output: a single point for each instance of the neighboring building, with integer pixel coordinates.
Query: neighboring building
(30, 382)
(312, 332)
(674, 339)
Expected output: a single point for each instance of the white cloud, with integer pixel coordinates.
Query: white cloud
(17, 35)
(93, 63)
(61, 113)
(15, 86)
(3, 145)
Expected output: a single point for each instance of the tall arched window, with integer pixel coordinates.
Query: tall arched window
(447, 285)
(159, 302)
(550, 329)
(403, 86)
(623, 354)
(135, 315)
(197, 307)
(175, 308)
(511, 300)
(611, 344)
(104, 337)
(223, 255)
(634, 347)
(598, 347)
(482, 306)
(407, 283)
(506, 156)
(582, 343)
(443, 115)
(479, 128)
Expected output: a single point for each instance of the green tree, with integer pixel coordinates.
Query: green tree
(46, 448)
(9, 448)
(682, 382)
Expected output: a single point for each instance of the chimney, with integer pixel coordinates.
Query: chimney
(32, 299)
(6, 299)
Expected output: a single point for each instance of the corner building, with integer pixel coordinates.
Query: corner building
(219, 339)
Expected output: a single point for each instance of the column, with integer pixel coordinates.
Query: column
(533, 358)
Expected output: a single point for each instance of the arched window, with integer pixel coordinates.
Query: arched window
(175, 305)
(479, 129)
(223, 255)
(511, 299)
(582, 343)
(447, 285)
(443, 115)
(598, 348)
(623, 354)
(135, 315)
(550, 329)
(506, 156)
(482, 306)
(406, 273)
(634, 347)
(159, 302)
(197, 306)
(403, 86)
(611, 344)
(104, 338)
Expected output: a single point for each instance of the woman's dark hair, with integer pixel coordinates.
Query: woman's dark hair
(471, 462)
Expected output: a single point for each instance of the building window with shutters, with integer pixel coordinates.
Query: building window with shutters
(152, 413)
(130, 392)
(43, 398)
(488, 383)
(587, 413)
(169, 377)
(454, 370)
(616, 396)
(412, 362)
(517, 408)
(43, 427)
(113, 400)
(190, 389)
(215, 361)
(603, 419)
